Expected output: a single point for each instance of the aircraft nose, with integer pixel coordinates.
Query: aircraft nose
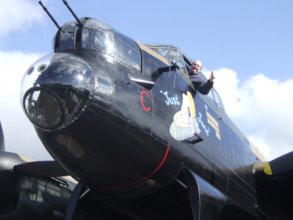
(56, 90)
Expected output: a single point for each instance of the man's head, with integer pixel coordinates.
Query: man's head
(196, 66)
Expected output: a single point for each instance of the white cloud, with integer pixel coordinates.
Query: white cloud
(20, 136)
(18, 15)
(261, 107)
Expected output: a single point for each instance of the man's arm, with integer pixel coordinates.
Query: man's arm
(205, 87)
(201, 85)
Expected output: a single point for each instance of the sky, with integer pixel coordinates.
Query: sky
(248, 44)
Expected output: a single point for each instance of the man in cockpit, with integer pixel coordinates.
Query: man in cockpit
(198, 82)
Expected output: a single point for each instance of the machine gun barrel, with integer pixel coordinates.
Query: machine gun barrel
(49, 14)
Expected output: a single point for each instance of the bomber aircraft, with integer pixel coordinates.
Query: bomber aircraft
(124, 120)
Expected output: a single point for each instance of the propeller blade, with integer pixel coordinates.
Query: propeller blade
(40, 169)
(282, 164)
(2, 146)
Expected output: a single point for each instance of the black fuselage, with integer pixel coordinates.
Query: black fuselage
(124, 123)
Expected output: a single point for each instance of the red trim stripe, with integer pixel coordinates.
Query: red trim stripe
(160, 164)
(144, 178)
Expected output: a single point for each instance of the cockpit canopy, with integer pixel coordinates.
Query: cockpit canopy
(174, 55)
(98, 36)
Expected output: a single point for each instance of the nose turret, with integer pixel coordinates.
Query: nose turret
(56, 89)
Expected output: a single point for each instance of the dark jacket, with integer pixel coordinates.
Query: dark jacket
(203, 86)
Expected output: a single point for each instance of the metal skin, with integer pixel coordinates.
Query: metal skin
(108, 116)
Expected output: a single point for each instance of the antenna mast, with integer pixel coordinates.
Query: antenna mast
(49, 14)
(72, 12)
